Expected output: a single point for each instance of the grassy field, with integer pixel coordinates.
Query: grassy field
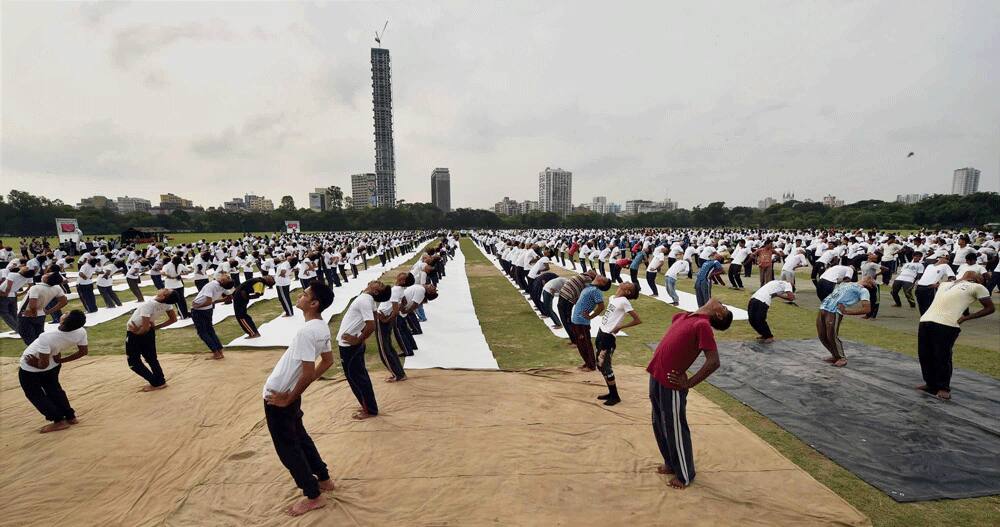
(519, 340)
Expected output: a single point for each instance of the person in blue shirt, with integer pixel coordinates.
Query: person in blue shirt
(589, 305)
(848, 298)
(703, 282)
(633, 268)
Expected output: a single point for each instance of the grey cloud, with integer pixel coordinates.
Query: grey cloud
(94, 13)
(133, 44)
(260, 134)
(97, 149)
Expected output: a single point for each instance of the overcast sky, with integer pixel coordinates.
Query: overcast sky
(698, 101)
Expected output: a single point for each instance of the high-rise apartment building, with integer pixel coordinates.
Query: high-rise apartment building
(172, 201)
(965, 181)
(363, 190)
(97, 202)
(258, 203)
(441, 189)
(599, 204)
(555, 191)
(385, 156)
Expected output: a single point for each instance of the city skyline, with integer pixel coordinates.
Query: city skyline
(280, 98)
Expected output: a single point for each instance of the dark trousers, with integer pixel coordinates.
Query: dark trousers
(565, 309)
(934, 348)
(390, 359)
(634, 275)
(925, 297)
(182, 306)
(8, 311)
(87, 298)
(404, 337)
(157, 281)
(285, 298)
(874, 295)
(616, 273)
(295, 448)
(413, 322)
(332, 278)
(747, 268)
(907, 288)
(343, 272)
(546, 307)
(206, 331)
(46, 394)
(143, 347)
(817, 270)
(600, 265)
(581, 336)
(651, 280)
(702, 291)
(670, 427)
(29, 328)
(244, 319)
(354, 270)
(133, 286)
(757, 312)
(734, 275)
(824, 288)
(306, 282)
(110, 296)
(352, 359)
(199, 283)
(887, 275)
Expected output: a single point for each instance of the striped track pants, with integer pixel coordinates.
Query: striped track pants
(670, 427)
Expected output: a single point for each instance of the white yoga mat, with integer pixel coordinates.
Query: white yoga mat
(687, 301)
(452, 336)
(561, 332)
(280, 331)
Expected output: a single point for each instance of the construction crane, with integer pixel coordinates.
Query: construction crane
(379, 35)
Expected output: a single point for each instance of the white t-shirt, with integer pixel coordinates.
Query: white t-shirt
(554, 286)
(617, 308)
(679, 267)
(768, 290)
(212, 290)
(961, 253)
(656, 262)
(536, 269)
(44, 293)
(740, 254)
(385, 308)
(309, 342)
(951, 300)
(17, 281)
(794, 261)
(85, 276)
(107, 271)
(964, 268)
(361, 311)
(837, 273)
(935, 273)
(172, 275)
(909, 271)
(286, 268)
(52, 343)
(414, 295)
(149, 308)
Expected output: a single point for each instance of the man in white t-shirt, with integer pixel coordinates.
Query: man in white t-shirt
(793, 262)
(294, 372)
(357, 324)
(40, 365)
(760, 303)
(605, 343)
(928, 282)
(906, 280)
(680, 266)
(10, 286)
(940, 326)
(140, 337)
(385, 327)
(217, 290)
(44, 298)
(831, 276)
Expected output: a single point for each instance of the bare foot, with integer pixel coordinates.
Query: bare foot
(73, 421)
(151, 388)
(327, 486)
(664, 469)
(840, 363)
(767, 341)
(286, 316)
(216, 355)
(394, 379)
(677, 484)
(831, 360)
(54, 427)
(922, 387)
(305, 505)
(253, 336)
(556, 326)
(943, 394)
(361, 415)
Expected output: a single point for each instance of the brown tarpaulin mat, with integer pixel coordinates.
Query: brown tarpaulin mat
(450, 448)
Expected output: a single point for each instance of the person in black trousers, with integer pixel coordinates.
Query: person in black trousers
(295, 371)
(39, 370)
(203, 307)
(140, 337)
(356, 326)
(246, 292)
(760, 303)
(385, 322)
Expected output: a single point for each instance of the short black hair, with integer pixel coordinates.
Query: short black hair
(322, 294)
(723, 323)
(172, 298)
(74, 320)
(54, 279)
(410, 280)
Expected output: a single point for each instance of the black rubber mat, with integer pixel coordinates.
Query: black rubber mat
(868, 418)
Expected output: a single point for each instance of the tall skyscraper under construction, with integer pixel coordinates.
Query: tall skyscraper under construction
(385, 155)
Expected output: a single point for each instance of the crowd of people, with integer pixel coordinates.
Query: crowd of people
(940, 274)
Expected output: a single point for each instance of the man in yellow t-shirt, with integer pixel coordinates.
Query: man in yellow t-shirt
(940, 326)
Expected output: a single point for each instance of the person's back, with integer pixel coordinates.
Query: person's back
(951, 300)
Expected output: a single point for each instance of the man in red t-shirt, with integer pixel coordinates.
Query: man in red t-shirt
(690, 335)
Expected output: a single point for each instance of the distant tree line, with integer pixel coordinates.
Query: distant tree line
(24, 214)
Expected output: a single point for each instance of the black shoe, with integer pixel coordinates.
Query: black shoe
(612, 401)
(604, 397)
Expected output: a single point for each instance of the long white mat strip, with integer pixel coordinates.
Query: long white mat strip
(452, 336)
(688, 302)
(280, 331)
(561, 333)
